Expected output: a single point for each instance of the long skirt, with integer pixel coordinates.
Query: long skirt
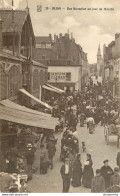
(43, 167)
(77, 174)
(81, 123)
(87, 178)
(91, 128)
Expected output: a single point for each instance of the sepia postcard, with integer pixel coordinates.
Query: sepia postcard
(60, 96)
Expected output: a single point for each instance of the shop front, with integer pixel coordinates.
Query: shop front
(20, 133)
(65, 77)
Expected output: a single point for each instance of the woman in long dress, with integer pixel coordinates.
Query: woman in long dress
(88, 172)
(77, 172)
(91, 125)
(82, 119)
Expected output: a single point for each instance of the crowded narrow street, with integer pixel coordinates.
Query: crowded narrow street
(95, 145)
(59, 96)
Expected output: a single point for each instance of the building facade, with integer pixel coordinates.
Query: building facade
(17, 68)
(18, 40)
(112, 65)
(62, 51)
(64, 76)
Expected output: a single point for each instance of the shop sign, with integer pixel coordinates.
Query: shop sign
(58, 76)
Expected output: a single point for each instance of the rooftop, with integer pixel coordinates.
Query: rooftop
(43, 39)
(18, 16)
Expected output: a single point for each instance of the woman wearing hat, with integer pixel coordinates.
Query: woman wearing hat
(88, 172)
(106, 172)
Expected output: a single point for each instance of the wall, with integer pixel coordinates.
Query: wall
(10, 78)
(75, 75)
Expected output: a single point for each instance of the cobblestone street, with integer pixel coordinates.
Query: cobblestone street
(96, 146)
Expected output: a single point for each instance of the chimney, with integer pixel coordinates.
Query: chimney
(67, 35)
(117, 35)
(1, 44)
(71, 36)
(50, 36)
(60, 35)
(55, 38)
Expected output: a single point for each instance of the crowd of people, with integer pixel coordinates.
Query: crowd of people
(92, 106)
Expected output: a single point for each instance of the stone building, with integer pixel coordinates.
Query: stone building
(112, 65)
(17, 68)
(60, 53)
(18, 39)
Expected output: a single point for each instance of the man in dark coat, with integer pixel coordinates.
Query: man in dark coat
(118, 159)
(115, 181)
(98, 183)
(66, 175)
(106, 172)
(30, 160)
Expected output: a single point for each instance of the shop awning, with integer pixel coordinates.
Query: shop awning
(34, 98)
(50, 89)
(10, 104)
(59, 90)
(25, 118)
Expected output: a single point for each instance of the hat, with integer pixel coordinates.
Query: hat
(97, 171)
(67, 159)
(29, 145)
(105, 161)
(116, 169)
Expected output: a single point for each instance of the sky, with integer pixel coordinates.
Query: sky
(89, 27)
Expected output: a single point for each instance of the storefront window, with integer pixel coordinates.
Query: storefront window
(68, 76)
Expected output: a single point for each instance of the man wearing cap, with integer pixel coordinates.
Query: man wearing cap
(30, 159)
(106, 172)
(66, 175)
(115, 181)
(98, 183)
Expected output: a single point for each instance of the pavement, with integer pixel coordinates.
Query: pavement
(95, 145)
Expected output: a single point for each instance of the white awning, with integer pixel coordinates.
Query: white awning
(50, 89)
(59, 90)
(35, 99)
(10, 104)
(26, 118)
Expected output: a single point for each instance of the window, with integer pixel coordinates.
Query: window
(38, 45)
(43, 44)
(68, 76)
(43, 57)
(48, 45)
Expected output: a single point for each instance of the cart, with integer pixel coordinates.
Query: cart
(112, 130)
